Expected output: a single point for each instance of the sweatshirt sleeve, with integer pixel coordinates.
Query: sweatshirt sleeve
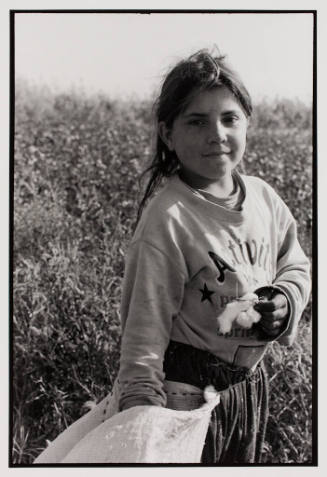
(152, 294)
(292, 274)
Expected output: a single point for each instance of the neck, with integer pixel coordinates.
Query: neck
(220, 188)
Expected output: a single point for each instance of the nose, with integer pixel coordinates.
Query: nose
(218, 132)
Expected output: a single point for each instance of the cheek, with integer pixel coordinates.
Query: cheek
(186, 143)
(240, 140)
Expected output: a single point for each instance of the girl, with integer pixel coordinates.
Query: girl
(210, 236)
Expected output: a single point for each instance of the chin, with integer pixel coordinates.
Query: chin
(220, 172)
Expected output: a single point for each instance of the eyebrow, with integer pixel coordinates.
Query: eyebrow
(198, 115)
(203, 115)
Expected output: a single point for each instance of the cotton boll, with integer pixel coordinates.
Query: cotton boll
(250, 296)
(229, 315)
(237, 310)
(255, 315)
(244, 320)
(209, 393)
(225, 320)
(224, 324)
(248, 318)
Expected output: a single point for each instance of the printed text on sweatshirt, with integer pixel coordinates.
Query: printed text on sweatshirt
(189, 257)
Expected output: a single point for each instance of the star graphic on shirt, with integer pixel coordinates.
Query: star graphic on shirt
(206, 293)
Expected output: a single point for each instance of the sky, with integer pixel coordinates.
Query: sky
(127, 54)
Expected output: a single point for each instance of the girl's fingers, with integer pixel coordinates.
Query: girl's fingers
(273, 314)
(271, 325)
(279, 314)
(279, 301)
(272, 328)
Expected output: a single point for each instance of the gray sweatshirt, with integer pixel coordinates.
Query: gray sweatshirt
(189, 257)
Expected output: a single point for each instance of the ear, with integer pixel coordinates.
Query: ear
(166, 135)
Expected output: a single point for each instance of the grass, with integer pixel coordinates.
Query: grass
(75, 200)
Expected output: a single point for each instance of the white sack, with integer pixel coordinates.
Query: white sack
(141, 434)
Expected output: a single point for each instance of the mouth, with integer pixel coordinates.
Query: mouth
(216, 154)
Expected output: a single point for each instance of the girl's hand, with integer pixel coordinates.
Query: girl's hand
(274, 309)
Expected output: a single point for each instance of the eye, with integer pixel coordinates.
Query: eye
(231, 120)
(197, 122)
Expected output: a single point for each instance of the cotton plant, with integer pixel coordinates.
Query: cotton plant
(240, 311)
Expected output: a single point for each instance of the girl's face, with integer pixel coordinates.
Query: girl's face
(209, 137)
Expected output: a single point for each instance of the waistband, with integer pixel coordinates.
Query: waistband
(186, 364)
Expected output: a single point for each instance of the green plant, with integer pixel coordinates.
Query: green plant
(75, 201)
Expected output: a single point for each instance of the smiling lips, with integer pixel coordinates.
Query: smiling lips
(216, 153)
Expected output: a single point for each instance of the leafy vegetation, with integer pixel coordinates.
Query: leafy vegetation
(77, 158)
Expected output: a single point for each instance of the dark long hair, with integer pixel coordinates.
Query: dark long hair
(201, 71)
